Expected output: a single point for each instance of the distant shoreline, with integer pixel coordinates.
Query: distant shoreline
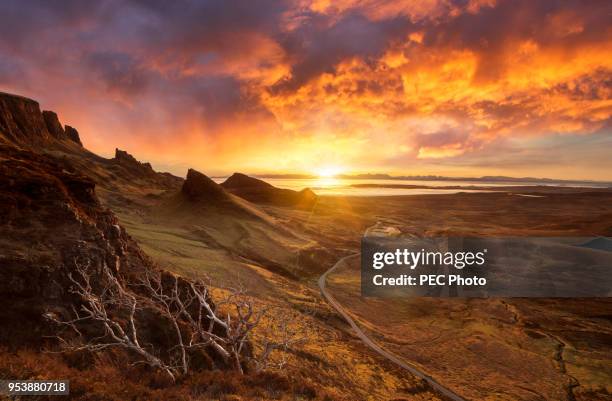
(509, 188)
(483, 179)
(380, 187)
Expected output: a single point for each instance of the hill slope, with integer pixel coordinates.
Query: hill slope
(205, 211)
(259, 191)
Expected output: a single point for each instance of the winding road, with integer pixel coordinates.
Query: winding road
(367, 341)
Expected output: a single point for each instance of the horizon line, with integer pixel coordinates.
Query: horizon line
(419, 177)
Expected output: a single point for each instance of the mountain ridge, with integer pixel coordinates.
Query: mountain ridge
(258, 191)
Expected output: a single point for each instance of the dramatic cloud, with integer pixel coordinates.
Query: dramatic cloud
(318, 45)
(454, 87)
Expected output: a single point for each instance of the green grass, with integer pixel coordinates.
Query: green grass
(182, 252)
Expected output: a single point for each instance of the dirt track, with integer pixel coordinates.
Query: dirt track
(367, 341)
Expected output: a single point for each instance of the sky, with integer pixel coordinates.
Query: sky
(445, 87)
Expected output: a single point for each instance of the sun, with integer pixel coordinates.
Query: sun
(328, 171)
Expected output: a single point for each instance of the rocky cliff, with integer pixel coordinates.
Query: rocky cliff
(54, 127)
(22, 123)
(49, 218)
(25, 126)
(21, 120)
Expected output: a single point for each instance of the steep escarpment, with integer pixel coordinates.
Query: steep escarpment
(25, 126)
(21, 120)
(22, 123)
(259, 191)
(54, 127)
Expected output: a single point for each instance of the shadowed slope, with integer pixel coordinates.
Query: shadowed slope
(223, 221)
(200, 193)
(259, 191)
(198, 186)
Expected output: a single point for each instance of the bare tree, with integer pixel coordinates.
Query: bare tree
(104, 307)
(281, 332)
(190, 304)
(197, 322)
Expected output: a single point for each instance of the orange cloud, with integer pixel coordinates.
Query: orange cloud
(369, 85)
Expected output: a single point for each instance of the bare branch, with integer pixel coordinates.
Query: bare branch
(96, 307)
(197, 322)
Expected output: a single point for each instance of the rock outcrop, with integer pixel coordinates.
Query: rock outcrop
(23, 124)
(53, 125)
(21, 120)
(72, 134)
(50, 217)
(259, 191)
(126, 166)
(198, 186)
(240, 181)
(121, 156)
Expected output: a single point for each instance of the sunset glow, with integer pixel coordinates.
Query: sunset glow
(472, 88)
(328, 172)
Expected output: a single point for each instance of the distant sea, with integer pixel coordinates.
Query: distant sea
(346, 187)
